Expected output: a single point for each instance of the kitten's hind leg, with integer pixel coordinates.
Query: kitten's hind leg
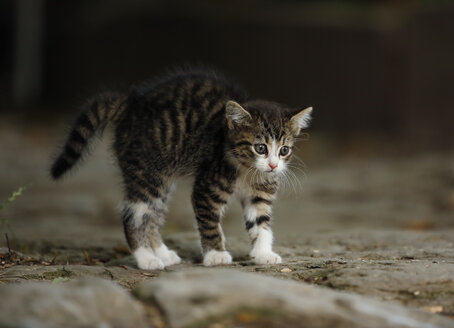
(142, 219)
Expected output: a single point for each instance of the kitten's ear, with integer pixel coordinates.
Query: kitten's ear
(236, 115)
(301, 120)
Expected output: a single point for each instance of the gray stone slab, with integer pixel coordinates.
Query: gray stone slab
(202, 296)
(81, 303)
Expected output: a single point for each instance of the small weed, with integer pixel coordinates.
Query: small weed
(11, 258)
(3, 221)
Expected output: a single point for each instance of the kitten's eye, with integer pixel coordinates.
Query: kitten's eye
(260, 149)
(284, 151)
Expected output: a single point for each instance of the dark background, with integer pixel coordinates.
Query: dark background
(373, 70)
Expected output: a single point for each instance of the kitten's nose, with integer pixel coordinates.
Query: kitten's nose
(273, 166)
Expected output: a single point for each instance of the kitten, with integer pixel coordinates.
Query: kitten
(192, 122)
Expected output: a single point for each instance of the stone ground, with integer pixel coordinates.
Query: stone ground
(377, 226)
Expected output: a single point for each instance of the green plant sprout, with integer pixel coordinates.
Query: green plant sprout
(3, 221)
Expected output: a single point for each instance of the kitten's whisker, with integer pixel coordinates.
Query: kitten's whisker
(257, 177)
(299, 176)
(246, 174)
(253, 176)
(294, 166)
(291, 181)
(297, 181)
(300, 160)
(284, 180)
(249, 170)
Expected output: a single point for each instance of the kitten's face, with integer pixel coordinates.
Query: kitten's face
(271, 154)
(263, 134)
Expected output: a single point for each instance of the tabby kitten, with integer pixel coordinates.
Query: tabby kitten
(192, 122)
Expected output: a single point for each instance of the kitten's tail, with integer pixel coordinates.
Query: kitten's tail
(99, 111)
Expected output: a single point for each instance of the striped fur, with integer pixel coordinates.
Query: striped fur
(191, 122)
(99, 111)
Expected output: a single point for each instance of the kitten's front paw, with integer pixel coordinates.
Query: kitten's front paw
(214, 257)
(265, 258)
(147, 260)
(167, 256)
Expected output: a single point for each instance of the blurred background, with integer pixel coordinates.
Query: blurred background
(380, 75)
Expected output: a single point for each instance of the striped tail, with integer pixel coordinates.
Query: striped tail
(101, 110)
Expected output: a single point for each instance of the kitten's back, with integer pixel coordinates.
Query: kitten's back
(181, 117)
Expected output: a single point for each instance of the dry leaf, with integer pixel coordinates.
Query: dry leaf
(87, 257)
(122, 250)
(420, 224)
(246, 317)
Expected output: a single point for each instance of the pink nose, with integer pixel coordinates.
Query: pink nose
(273, 166)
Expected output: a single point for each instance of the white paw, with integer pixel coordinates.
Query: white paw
(265, 258)
(168, 257)
(214, 257)
(147, 260)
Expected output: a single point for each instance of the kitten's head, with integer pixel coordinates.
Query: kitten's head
(262, 134)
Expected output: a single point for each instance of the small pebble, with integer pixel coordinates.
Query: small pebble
(285, 270)
(432, 309)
